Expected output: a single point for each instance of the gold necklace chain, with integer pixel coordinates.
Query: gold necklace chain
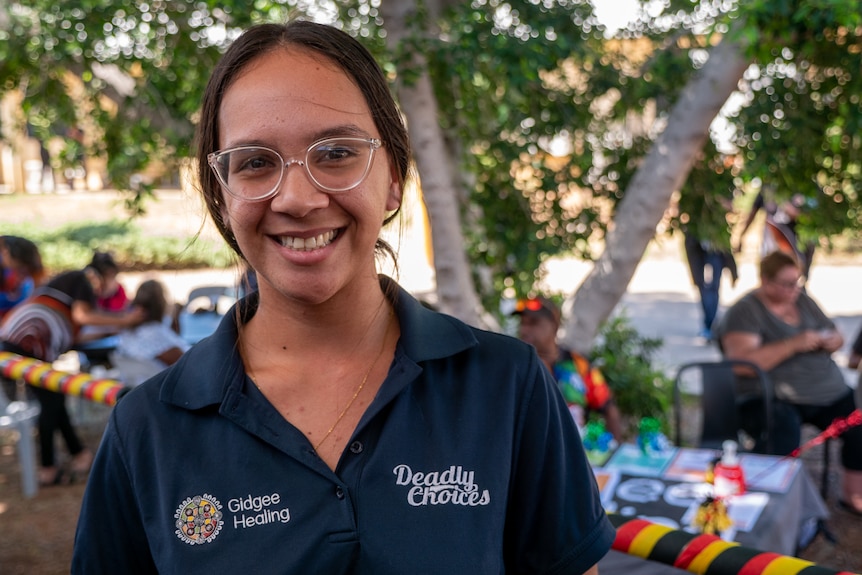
(358, 389)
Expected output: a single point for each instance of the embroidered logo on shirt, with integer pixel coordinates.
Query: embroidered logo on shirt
(455, 486)
(198, 519)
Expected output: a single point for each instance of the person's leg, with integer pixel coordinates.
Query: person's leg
(73, 443)
(49, 413)
(82, 458)
(851, 488)
(786, 427)
(710, 290)
(851, 447)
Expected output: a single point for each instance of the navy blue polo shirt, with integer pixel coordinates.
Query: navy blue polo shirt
(467, 461)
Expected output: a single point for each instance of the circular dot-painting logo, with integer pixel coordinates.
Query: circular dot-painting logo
(198, 519)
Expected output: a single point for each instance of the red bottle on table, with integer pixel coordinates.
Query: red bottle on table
(729, 477)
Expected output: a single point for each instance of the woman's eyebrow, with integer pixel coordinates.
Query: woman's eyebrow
(349, 130)
(339, 131)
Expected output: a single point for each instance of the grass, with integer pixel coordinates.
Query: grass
(71, 246)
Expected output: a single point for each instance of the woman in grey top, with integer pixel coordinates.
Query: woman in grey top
(778, 327)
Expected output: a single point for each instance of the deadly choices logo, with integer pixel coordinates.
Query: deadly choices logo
(454, 486)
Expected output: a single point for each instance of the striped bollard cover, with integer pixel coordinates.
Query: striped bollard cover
(704, 554)
(40, 374)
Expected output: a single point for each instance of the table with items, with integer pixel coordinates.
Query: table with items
(779, 512)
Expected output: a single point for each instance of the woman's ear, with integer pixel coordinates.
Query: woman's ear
(393, 199)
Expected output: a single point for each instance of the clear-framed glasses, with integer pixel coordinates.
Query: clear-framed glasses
(254, 173)
(789, 285)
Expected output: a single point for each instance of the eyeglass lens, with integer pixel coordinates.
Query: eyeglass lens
(788, 284)
(333, 165)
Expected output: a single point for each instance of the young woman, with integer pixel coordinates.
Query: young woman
(332, 424)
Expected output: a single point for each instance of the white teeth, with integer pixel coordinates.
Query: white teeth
(307, 244)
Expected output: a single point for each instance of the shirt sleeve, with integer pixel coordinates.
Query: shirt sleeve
(110, 537)
(556, 522)
(812, 310)
(742, 316)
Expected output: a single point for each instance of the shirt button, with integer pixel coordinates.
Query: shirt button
(356, 447)
(339, 492)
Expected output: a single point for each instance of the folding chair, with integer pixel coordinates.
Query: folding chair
(721, 395)
(716, 384)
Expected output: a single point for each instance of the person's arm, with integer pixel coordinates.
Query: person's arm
(752, 213)
(107, 541)
(856, 352)
(831, 340)
(554, 505)
(750, 347)
(170, 356)
(85, 314)
(613, 421)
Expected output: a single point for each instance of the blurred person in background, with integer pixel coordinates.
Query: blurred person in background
(583, 387)
(110, 293)
(43, 327)
(150, 346)
(783, 331)
(20, 271)
(779, 229)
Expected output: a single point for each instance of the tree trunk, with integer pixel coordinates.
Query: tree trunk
(663, 171)
(456, 291)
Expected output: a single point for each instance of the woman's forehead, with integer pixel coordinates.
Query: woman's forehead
(291, 89)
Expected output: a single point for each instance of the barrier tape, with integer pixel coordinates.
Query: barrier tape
(40, 374)
(704, 554)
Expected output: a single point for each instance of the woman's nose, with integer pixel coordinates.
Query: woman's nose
(297, 194)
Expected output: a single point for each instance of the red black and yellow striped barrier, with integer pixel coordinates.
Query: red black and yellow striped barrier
(40, 374)
(704, 554)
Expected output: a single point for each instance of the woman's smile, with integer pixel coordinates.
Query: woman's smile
(307, 244)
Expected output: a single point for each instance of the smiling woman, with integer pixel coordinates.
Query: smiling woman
(319, 391)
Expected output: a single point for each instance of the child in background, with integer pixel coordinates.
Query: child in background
(151, 345)
(20, 271)
(111, 296)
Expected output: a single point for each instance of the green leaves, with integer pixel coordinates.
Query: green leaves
(132, 75)
(546, 118)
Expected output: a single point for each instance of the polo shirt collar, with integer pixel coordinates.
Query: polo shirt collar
(208, 371)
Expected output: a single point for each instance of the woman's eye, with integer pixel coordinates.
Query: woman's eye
(333, 153)
(254, 162)
(257, 163)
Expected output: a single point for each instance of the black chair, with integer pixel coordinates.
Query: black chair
(722, 397)
(721, 404)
